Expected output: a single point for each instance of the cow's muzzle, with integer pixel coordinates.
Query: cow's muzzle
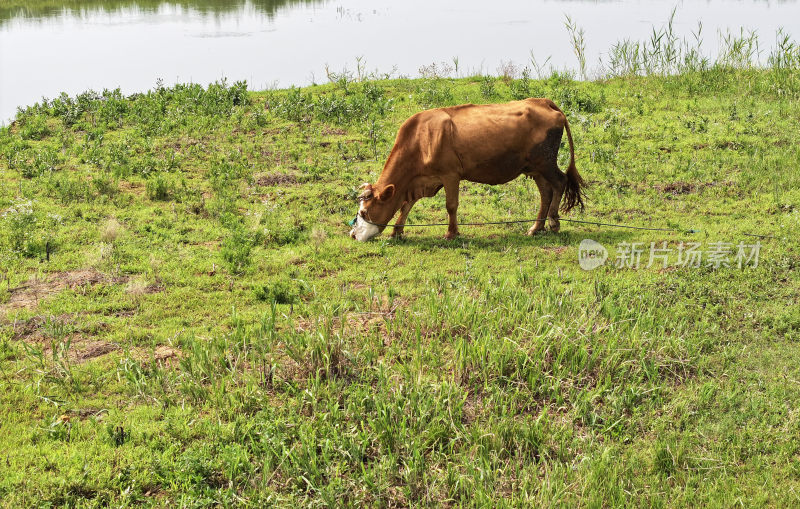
(364, 230)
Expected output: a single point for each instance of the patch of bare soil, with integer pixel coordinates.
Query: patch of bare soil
(84, 413)
(332, 130)
(679, 187)
(359, 323)
(131, 187)
(125, 313)
(163, 355)
(91, 349)
(28, 330)
(142, 288)
(274, 179)
(82, 348)
(28, 295)
(85, 348)
(676, 188)
(164, 352)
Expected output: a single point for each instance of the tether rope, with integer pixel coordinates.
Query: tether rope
(580, 221)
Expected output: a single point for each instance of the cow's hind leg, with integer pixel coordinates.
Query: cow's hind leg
(401, 221)
(543, 161)
(546, 194)
(558, 182)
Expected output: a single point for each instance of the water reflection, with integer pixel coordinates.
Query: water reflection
(48, 9)
(48, 47)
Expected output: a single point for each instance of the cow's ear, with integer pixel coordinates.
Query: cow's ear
(387, 193)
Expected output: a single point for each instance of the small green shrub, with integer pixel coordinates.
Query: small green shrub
(68, 188)
(226, 173)
(434, 92)
(236, 246)
(160, 187)
(105, 185)
(21, 227)
(113, 108)
(280, 230)
(570, 97)
(67, 109)
(28, 233)
(282, 291)
(488, 90)
(521, 88)
(34, 127)
(348, 107)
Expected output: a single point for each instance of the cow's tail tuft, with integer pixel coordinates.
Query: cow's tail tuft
(574, 194)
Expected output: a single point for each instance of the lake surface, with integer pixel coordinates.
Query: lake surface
(277, 43)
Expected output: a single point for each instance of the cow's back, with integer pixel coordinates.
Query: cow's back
(494, 141)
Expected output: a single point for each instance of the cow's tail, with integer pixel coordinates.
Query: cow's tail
(574, 194)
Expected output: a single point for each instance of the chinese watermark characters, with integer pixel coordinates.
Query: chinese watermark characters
(661, 255)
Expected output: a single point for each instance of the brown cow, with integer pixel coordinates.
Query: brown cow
(486, 143)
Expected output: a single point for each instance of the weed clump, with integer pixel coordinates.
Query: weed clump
(161, 187)
(237, 245)
(521, 88)
(157, 111)
(488, 90)
(33, 127)
(351, 105)
(110, 230)
(573, 97)
(21, 226)
(281, 291)
(434, 92)
(33, 162)
(28, 233)
(279, 229)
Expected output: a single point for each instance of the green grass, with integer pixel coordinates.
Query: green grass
(185, 320)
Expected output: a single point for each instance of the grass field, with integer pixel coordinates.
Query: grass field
(184, 320)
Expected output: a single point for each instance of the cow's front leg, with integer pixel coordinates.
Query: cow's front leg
(398, 226)
(451, 200)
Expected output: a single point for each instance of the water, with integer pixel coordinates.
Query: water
(270, 43)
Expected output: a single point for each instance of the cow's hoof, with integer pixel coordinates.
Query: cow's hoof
(451, 235)
(535, 231)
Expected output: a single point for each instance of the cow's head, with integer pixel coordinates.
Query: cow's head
(376, 208)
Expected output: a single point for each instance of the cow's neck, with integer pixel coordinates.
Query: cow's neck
(401, 175)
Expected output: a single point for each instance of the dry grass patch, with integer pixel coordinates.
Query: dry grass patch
(163, 355)
(274, 179)
(80, 348)
(139, 287)
(38, 288)
(110, 230)
(134, 188)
